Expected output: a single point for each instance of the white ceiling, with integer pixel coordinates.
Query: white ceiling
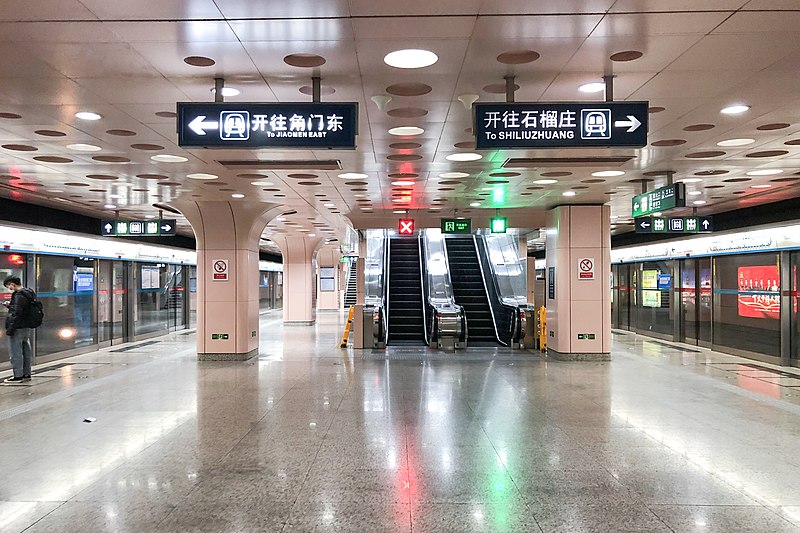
(125, 60)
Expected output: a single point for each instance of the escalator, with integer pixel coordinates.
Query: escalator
(406, 321)
(469, 289)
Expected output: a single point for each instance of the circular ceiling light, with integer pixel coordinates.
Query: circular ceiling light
(736, 142)
(691, 180)
(258, 183)
(237, 195)
(450, 175)
(608, 173)
(81, 147)
(545, 182)
(699, 202)
(464, 157)
(410, 58)
(568, 193)
(167, 158)
(734, 109)
(110, 206)
(87, 115)
(227, 91)
(402, 183)
(694, 193)
(764, 186)
(475, 204)
(406, 130)
(202, 176)
(593, 87)
(765, 172)
(353, 176)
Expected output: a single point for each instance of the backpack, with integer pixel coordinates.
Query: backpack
(35, 312)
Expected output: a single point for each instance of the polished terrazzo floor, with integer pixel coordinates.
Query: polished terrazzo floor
(308, 437)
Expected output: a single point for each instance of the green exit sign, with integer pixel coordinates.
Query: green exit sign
(659, 200)
(498, 225)
(457, 225)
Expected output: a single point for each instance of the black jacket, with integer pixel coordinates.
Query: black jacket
(18, 310)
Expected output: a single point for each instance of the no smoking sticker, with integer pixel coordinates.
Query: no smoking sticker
(586, 268)
(220, 270)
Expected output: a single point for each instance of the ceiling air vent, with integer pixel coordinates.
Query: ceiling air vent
(538, 162)
(273, 164)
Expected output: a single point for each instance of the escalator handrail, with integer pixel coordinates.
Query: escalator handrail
(423, 294)
(486, 289)
(385, 314)
(497, 301)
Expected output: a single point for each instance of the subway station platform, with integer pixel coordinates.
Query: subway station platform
(309, 437)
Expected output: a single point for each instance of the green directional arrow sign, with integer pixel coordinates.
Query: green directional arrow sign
(659, 200)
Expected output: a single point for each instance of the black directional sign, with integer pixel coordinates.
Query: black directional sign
(682, 225)
(560, 125)
(268, 125)
(138, 228)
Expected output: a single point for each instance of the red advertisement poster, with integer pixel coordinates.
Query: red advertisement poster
(761, 298)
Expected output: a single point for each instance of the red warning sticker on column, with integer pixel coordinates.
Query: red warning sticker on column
(586, 268)
(220, 270)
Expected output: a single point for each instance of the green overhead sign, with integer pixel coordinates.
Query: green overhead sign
(498, 225)
(457, 225)
(659, 200)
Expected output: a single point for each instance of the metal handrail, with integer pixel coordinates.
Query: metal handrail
(423, 299)
(514, 308)
(385, 314)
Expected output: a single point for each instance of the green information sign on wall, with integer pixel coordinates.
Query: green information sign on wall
(457, 225)
(659, 200)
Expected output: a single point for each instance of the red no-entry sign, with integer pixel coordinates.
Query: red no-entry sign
(586, 268)
(406, 226)
(219, 270)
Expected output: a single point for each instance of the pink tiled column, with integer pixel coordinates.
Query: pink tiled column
(227, 309)
(299, 279)
(579, 317)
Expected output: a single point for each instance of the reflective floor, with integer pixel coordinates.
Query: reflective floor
(308, 437)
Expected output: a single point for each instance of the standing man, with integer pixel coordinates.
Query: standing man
(19, 329)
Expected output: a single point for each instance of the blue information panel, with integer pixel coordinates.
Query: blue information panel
(268, 125)
(560, 125)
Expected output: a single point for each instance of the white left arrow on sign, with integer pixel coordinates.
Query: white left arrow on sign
(199, 125)
(632, 123)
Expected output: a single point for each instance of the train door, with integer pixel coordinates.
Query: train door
(176, 297)
(695, 301)
(112, 311)
(621, 304)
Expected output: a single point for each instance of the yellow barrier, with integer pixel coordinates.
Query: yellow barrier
(542, 329)
(346, 334)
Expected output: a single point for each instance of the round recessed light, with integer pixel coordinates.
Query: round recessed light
(593, 87)
(149, 216)
(110, 206)
(258, 183)
(227, 91)
(464, 157)
(568, 193)
(353, 176)
(402, 183)
(694, 193)
(764, 186)
(202, 176)
(451, 175)
(545, 182)
(734, 109)
(87, 115)
(406, 130)
(765, 172)
(736, 142)
(80, 147)
(608, 173)
(167, 158)
(699, 202)
(475, 204)
(691, 180)
(410, 58)
(237, 195)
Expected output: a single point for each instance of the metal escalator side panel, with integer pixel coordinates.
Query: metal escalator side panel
(486, 289)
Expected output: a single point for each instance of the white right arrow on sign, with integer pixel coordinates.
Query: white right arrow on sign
(632, 123)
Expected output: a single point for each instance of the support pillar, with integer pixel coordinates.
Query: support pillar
(299, 279)
(227, 306)
(578, 298)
